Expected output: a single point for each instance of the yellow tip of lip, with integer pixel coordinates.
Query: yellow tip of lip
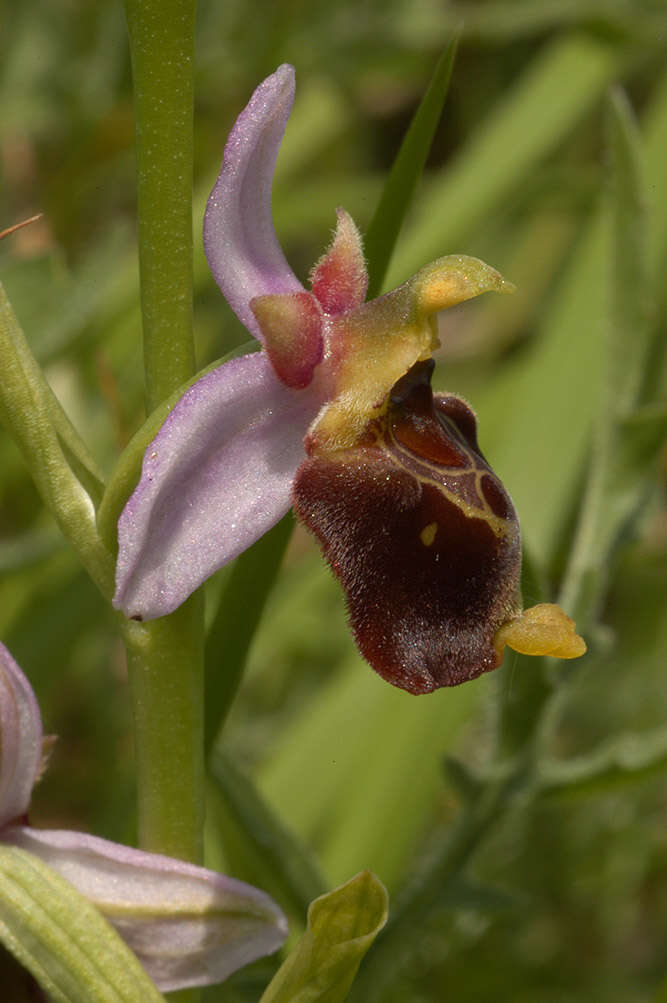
(453, 279)
(542, 630)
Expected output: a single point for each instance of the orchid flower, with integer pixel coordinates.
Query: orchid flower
(187, 925)
(336, 416)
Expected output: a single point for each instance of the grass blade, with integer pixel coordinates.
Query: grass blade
(382, 233)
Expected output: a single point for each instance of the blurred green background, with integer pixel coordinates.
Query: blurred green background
(572, 896)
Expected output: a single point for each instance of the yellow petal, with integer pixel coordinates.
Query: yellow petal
(542, 630)
(453, 279)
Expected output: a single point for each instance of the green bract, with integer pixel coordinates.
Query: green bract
(342, 925)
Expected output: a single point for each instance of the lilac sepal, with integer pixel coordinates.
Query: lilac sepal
(187, 925)
(217, 476)
(239, 239)
(20, 740)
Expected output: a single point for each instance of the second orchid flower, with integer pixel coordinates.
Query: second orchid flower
(187, 925)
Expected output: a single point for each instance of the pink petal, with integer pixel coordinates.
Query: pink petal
(340, 279)
(187, 925)
(292, 327)
(20, 740)
(240, 242)
(216, 478)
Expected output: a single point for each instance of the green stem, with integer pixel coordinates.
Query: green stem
(165, 660)
(165, 656)
(162, 48)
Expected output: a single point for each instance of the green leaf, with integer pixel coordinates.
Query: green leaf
(56, 934)
(615, 484)
(340, 787)
(47, 442)
(401, 945)
(28, 549)
(26, 291)
(341, 927)
(240, 606)
(463, 894)
(510, 21)
(655, 134)
(567, 77)
(542, 471)
(64, 310)
(382, 233)
(258, 847)
(621, 760)
(463, 780)
(642, 435)
(630, 298)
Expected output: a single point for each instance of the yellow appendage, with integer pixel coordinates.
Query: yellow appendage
(542, 630)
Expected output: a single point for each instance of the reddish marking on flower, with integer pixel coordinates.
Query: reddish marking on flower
(292, 327)
(420, 434)
(339, 279)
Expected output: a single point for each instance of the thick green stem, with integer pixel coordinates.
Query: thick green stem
(162, 48)
(165, 663)
(165, 656)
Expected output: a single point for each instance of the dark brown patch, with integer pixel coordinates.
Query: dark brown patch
(424, 609)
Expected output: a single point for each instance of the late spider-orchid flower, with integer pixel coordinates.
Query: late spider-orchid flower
(336, 416)
(187, 925)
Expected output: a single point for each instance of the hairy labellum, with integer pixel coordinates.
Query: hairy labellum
(421, 534)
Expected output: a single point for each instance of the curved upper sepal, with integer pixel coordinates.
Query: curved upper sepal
(422, 536)
(239, 239)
